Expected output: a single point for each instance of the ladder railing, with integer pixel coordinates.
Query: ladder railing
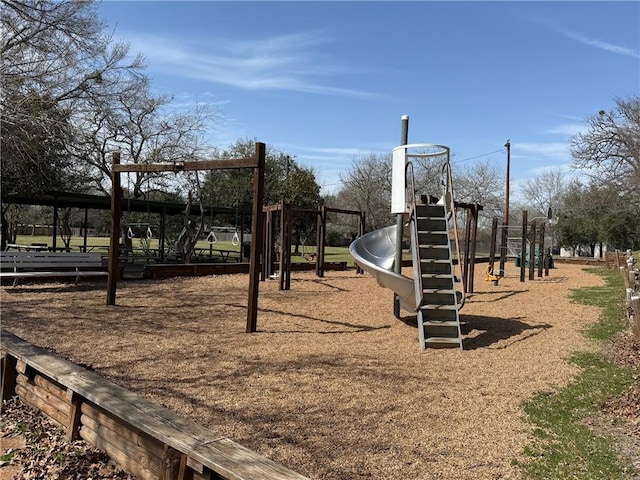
(449, 204)
(417, 267)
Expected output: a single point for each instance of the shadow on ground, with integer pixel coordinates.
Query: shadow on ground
(493, 330)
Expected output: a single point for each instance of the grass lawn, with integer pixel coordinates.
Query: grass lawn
(564, 445)
(331, 254)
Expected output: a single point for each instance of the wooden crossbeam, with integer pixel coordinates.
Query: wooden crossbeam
(180, 166)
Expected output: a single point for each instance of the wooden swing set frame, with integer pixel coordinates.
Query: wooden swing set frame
(256, 163)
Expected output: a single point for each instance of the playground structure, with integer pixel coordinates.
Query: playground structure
(431, 229)
(256, 163)
(528, 249)
(285, 213)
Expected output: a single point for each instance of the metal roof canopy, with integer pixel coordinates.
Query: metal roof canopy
(103, 202)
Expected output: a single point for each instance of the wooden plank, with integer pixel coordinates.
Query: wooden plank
(44, 395)
(9, 377)
(150, 458)
(51, 274)
(125, 462)
(51, 387)
(32, 399)
(230, 460)
(73, 428)
(635, 307)
(230, 164)
(93, 416)
(170, 465)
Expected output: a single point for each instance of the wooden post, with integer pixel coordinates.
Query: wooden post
(523, 252)
(9, 374)
(289, 233)
(547, 262)
(283, 247)
(465, 256)
(75, 403)
(474, 237)
(532, 251)
(322, 223)
(268, 242)
(256, 239)
(492, 245)
(114, 241)
(286, 219)
(541, 250)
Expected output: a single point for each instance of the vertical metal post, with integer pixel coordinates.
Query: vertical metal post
(163, 223)
(86, 225)
(404, 140)
(114, 240)
(55, 223)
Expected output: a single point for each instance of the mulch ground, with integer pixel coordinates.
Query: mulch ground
(331, 385)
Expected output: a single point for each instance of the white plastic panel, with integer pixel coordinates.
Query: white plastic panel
(398, 182)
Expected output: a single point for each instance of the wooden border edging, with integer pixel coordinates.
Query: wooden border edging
(47, 378)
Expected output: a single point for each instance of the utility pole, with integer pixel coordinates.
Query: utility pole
(505, 223)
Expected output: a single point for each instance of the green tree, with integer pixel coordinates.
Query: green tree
(581, 220)
(284, 180)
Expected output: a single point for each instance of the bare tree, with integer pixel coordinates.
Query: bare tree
(481, 183)
(138, 125)
(54, 58)
(610, 149)
(544, 191)
(367, 187)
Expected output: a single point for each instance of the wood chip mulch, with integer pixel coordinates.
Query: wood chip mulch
(331, 385)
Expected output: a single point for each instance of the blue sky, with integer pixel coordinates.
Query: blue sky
(328, 81)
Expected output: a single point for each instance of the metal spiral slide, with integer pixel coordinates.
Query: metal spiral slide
(432, 293)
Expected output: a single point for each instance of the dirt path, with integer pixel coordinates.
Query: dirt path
(332, 385)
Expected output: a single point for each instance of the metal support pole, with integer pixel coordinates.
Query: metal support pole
(86, 226)
(404, 139)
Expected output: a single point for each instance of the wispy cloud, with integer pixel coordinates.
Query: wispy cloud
(566, 129)
(292, 62)
(548, 150)
(602, 45)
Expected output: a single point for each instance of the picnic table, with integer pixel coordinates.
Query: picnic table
(224, 254)
(34, 247)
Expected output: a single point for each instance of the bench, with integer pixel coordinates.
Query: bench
(18, 265)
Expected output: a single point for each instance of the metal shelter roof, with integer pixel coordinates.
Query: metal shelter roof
(103, 202)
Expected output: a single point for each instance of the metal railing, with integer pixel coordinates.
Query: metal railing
(414, 231)
(449, 205)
